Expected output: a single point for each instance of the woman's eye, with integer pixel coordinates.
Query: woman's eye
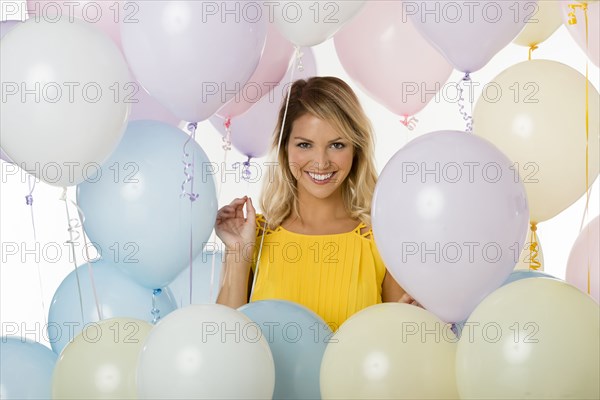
(301, 145)
(338, 145)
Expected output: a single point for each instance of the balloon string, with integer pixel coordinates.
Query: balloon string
(188, 171)
(461, 104)
(245, 166)
(531, 49)
(297, 64)
(534, 263)
(410, 123)
(155, 311)
(73, 224)
(573, 21)
(29, 202)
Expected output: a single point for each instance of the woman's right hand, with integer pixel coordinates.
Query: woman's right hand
(232, 228)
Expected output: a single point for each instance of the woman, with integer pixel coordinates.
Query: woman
(318, 249)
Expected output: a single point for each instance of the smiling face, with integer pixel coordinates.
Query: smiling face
(319, 157)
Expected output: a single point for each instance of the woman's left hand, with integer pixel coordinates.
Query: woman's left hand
(406, 298)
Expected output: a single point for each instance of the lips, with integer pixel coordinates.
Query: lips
(321, 182)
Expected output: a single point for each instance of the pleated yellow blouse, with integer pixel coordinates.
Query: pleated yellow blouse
(333, 275)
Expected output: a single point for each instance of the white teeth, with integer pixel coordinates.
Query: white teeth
(320, 177)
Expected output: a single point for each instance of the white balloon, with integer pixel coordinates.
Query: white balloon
(206, 352)
(308, 23)
(64, 105)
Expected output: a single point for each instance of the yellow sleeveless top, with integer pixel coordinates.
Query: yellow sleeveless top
(334, 275)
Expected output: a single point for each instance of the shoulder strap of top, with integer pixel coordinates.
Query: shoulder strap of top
(261, 222)
(366, 233)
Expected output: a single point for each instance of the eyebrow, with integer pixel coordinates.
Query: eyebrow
(308, 140)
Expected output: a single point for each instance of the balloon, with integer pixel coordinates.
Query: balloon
(537, 118)
(513, 277)
(577, 30)
(470, 34)
(101, 361)
(134, 208)
(103, 15)
(543, 23)
(392, 351)
(252, 132)
(25, 369)
(118, 296)
(192, 60)
(206, 352)
(409, 70)
(145, 106)
(584, 260)
(535, 338)
(310, 23)
(7, 26)
(449, 219)
(203, 291)
(271, 69)
(74, 112)
(297, 338)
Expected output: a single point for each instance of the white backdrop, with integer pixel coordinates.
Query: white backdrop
(25, 299)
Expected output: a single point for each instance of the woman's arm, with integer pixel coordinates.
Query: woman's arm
(392, 292)
(236, 280)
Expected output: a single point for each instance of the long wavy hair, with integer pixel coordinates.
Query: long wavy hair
(332, 100)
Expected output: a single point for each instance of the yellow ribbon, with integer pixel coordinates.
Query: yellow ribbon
(572, 21)
(534, 263)
(531, 49)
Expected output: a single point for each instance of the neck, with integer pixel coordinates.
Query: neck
(321, 211)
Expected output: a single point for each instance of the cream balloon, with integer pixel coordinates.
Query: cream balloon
(101, 361)
(65, 99)
(308, 23)
(533, 338)
(392, 351)
(527, 258)
(542, 24)
(534, 112)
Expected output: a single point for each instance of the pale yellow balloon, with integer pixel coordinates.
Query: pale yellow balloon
(527, 256)
(544, 20)
(101, 362)
(534, 338)
(534, 112)
(390, 351)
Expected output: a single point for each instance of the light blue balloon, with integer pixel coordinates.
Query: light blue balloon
(25, 369)
(118, 296)
(514, 276)
(298, 338)
(201, 286)
(134, 209)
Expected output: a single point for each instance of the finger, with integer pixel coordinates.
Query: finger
(405, 298)
(237, 201)
(239, 210)
(250, 211)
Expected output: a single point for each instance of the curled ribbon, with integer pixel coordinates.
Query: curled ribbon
(246, 174)
(534, 263)
(155, 311)
(461, 104)
(188, 168)
(410, 123)
(531, 49)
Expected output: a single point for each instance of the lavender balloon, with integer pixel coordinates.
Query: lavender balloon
(449, 217)
(191, 59)
(252, 132)
(469, 34)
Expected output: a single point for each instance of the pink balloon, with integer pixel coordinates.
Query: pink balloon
(409, 70)
(271, 69)
(252, 132)
(146, 107)
(190, 60)
(586, 250)
(449, 219)
(470, 33)
(104, 14)
(577, 30)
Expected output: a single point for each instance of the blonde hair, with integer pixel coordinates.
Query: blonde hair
(332, 100)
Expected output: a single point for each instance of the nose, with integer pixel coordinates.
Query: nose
(322, 162)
